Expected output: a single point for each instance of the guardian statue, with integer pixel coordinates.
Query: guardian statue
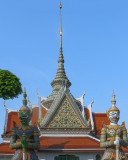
(113, 136)
(24, 138)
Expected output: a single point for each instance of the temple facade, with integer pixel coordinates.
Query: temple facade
(68, 129)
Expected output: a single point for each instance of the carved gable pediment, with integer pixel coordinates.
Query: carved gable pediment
(65, 116)
(64, 113)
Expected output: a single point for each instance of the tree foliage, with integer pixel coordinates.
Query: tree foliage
(10, 85)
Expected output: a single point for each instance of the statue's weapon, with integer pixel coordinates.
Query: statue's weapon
(24, 149)
(117, 147)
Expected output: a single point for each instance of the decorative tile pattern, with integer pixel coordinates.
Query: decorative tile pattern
(65, 117)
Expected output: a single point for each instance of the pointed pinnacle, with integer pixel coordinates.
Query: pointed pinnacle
(113, 101)
(60, 22)
(24, 96)
(60, 5)
(61, 75)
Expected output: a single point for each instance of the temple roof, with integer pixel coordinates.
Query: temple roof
(13, 116)
(83, 143)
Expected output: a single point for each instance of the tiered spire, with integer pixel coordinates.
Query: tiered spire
(61, 78)
(60, 30)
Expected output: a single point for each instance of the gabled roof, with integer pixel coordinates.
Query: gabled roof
(64, 92)
(84, 142)
(72, 143)
(35, 115)
(99, 118)
(12, 116)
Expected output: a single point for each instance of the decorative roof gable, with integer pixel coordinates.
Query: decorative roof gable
(65, 116)
(64, 112)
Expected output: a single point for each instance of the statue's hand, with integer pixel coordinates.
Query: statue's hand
(117, 141)
(24, 143)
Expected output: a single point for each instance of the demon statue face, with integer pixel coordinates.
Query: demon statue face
(114, 117)
(24, 115)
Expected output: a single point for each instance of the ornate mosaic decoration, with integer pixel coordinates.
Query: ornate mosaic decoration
(65, 117)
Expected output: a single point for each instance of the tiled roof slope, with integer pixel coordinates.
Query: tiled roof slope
(77, 144)
(12, 116)
(98, 119)
(44, 112)
(69, 143)
(5, 149)
(35, 115)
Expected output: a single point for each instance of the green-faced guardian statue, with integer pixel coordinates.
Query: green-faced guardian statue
(24, 138)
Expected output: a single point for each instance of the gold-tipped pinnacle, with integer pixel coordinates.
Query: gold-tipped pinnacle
(60, 5)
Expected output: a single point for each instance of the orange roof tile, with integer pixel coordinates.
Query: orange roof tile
(86, 110)
(12, 116)
(44, 112)
(98, 119)
(35, 115)
(85, 144)
(5, 149)
(68, 143)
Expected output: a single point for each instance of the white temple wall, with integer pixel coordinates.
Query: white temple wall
(51, 155)
(82, 156)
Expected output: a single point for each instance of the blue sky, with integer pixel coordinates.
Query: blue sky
(95, 48)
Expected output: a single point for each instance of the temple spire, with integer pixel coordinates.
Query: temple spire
(60, 29)
(61, 78)
(61, 58)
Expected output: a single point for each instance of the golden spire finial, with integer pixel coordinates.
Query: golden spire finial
(60, 20)
(60, 5)
(60, 29)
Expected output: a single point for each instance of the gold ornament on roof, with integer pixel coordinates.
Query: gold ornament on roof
(113, 102)
(60, 5)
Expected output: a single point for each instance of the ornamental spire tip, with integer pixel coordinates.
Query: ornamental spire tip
(24, 96)
(60, 5)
